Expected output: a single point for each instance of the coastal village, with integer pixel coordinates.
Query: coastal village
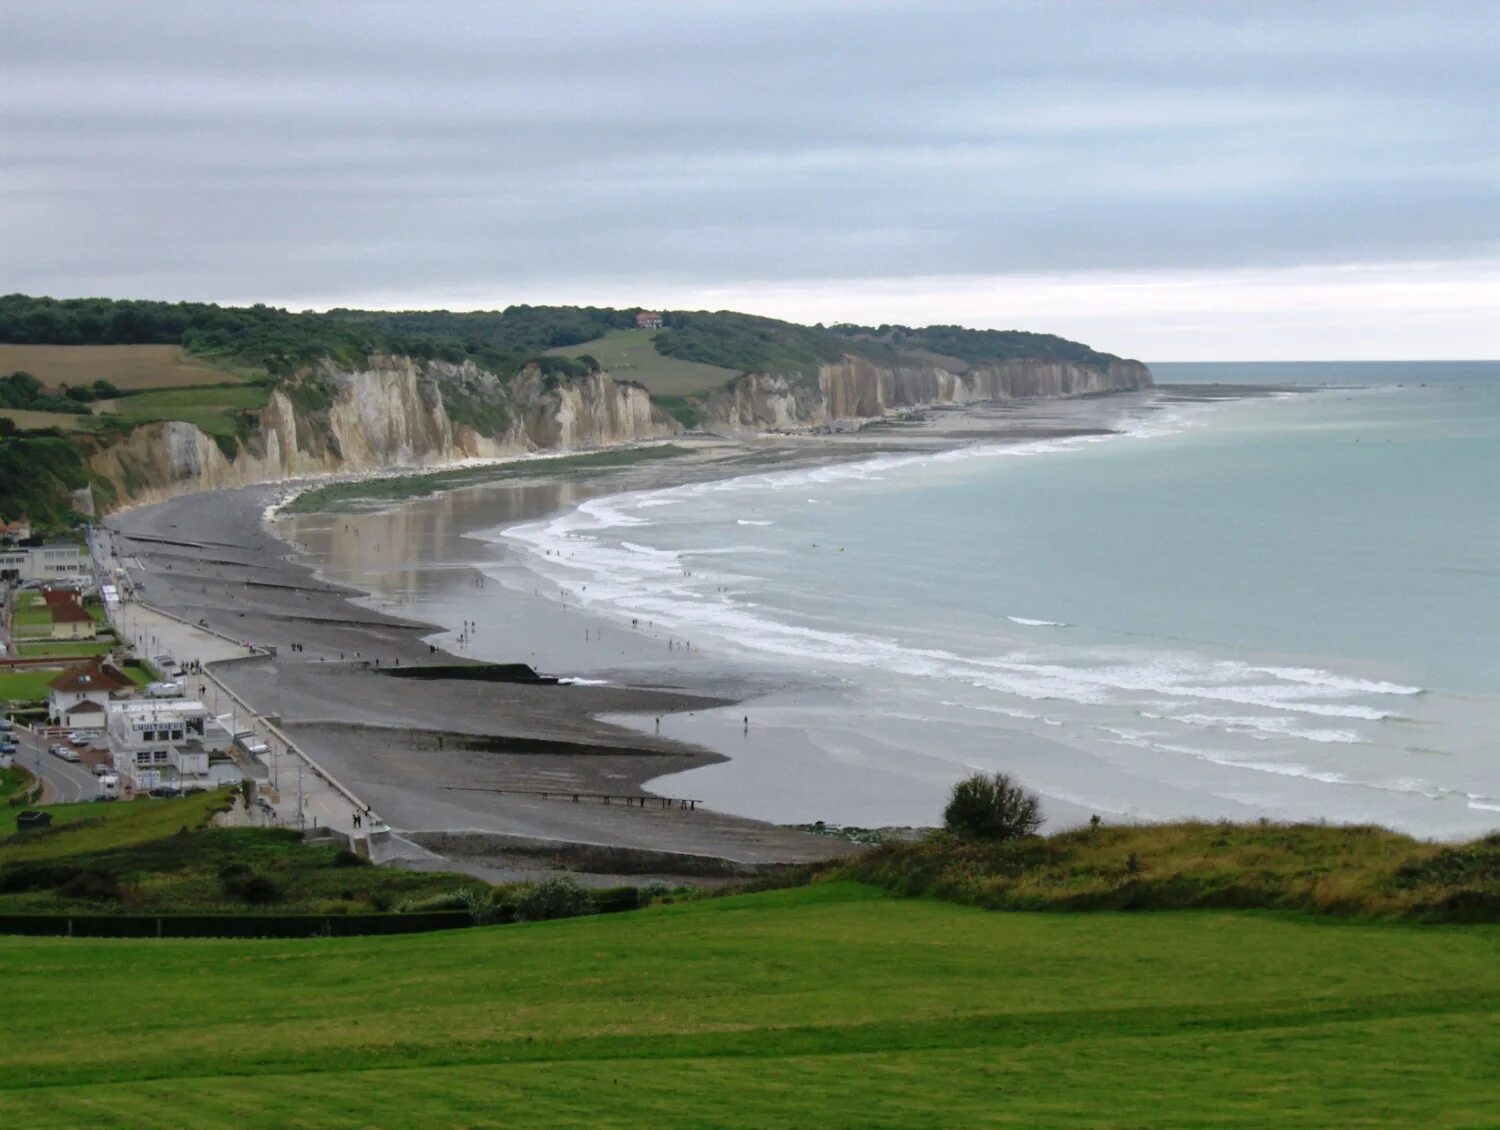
(91, 716)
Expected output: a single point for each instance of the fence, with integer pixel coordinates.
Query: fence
(230, 925)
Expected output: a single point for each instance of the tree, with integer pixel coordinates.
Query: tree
(992, 808)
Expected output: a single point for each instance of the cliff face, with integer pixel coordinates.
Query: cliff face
(855, 388)
(398, 412)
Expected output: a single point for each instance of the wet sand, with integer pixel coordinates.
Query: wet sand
(210, 558)
(457, 765)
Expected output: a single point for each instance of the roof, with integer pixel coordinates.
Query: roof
(70, 614)
(91, 677)
(55, 597)
(86, 704)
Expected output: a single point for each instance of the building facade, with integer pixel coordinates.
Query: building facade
(164, 743)
(60, 561)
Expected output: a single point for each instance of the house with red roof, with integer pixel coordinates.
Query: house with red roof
(72, 622)
(80, 696)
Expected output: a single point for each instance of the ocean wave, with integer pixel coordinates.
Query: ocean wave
(633, 580)
(584, 553)
(1265, 726)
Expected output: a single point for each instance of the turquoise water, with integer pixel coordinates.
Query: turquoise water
(1281, 606)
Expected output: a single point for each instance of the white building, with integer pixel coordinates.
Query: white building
(165, 743)
(60, 561)
(79, 698)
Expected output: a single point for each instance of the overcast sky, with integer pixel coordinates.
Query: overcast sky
(1169, 181)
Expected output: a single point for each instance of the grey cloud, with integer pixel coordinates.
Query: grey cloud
(313, 150)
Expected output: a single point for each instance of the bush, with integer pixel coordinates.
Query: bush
(992, 808)
(254, 889)
(561, 897)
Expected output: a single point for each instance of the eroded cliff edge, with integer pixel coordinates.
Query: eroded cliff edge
(394, 412)
(402, 412)
(857, 388)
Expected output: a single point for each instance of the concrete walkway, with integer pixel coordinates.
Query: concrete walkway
(299, 792)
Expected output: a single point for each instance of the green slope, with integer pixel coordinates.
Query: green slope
(823, 1006)
(631, 355)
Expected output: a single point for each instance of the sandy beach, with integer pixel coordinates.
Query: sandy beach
(459, 766)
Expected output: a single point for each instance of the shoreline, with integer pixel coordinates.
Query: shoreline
(377, 733)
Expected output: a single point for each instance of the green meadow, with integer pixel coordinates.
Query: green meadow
(630, 355)
(828, 1005)
(28, 684)
(213, 408)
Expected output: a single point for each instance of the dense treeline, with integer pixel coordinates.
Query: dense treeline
(500, 340)
(753, 344)
(747, 343)
(976, 347)
(283, 340)
(23, 391)
(38, 473)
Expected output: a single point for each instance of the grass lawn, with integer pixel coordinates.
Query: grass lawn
(27, 685)
(65, 649)
(212, 409)
(630, 355)
(12, 781)
(30, 611)
(824, 1006)
(109, 826)
(138, 672)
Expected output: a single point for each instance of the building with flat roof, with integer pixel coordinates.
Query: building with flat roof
(59, 561)
(157, 743)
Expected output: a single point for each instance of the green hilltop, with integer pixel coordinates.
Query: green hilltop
(1163, 975)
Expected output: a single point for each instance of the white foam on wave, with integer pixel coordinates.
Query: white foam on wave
(583, 552)
(577, 681)
(1265, 727)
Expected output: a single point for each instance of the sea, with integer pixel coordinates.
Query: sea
(1279, 605)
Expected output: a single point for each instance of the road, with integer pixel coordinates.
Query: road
(66, 782)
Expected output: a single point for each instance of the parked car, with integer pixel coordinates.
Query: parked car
(67, 753)
(101, 770)
(81, 737)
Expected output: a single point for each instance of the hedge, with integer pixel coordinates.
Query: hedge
(229, 925)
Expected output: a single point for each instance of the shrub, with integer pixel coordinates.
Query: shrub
(992, 808)
(560, 897)
(254, 889)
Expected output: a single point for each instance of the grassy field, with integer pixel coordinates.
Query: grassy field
(102, 827)
(13, 781)
(64, 421)
(127, 367)
(66, 649)
(27, 685)
(212, 409)
(30, 611)
(629, 355)
(365, 493)
(1365, 872)
(824, 1006)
